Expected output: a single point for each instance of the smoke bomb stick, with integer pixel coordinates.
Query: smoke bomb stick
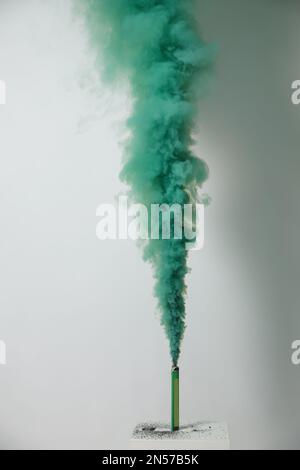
(175, 399)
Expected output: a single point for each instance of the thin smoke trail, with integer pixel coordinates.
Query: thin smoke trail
(156, 46)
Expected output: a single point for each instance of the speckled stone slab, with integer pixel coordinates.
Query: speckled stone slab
(198, 436)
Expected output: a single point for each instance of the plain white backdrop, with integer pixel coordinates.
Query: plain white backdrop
(86, 356)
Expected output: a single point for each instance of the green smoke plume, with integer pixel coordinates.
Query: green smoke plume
(155, 44)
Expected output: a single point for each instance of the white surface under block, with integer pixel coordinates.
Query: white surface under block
(198, 436)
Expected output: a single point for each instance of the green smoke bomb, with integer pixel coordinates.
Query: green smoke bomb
(175, 399)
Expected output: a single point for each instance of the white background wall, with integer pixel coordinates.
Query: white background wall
(86, 356)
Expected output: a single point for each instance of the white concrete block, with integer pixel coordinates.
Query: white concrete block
(198, 436)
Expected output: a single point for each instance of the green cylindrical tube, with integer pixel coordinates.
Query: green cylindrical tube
(175, 399)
